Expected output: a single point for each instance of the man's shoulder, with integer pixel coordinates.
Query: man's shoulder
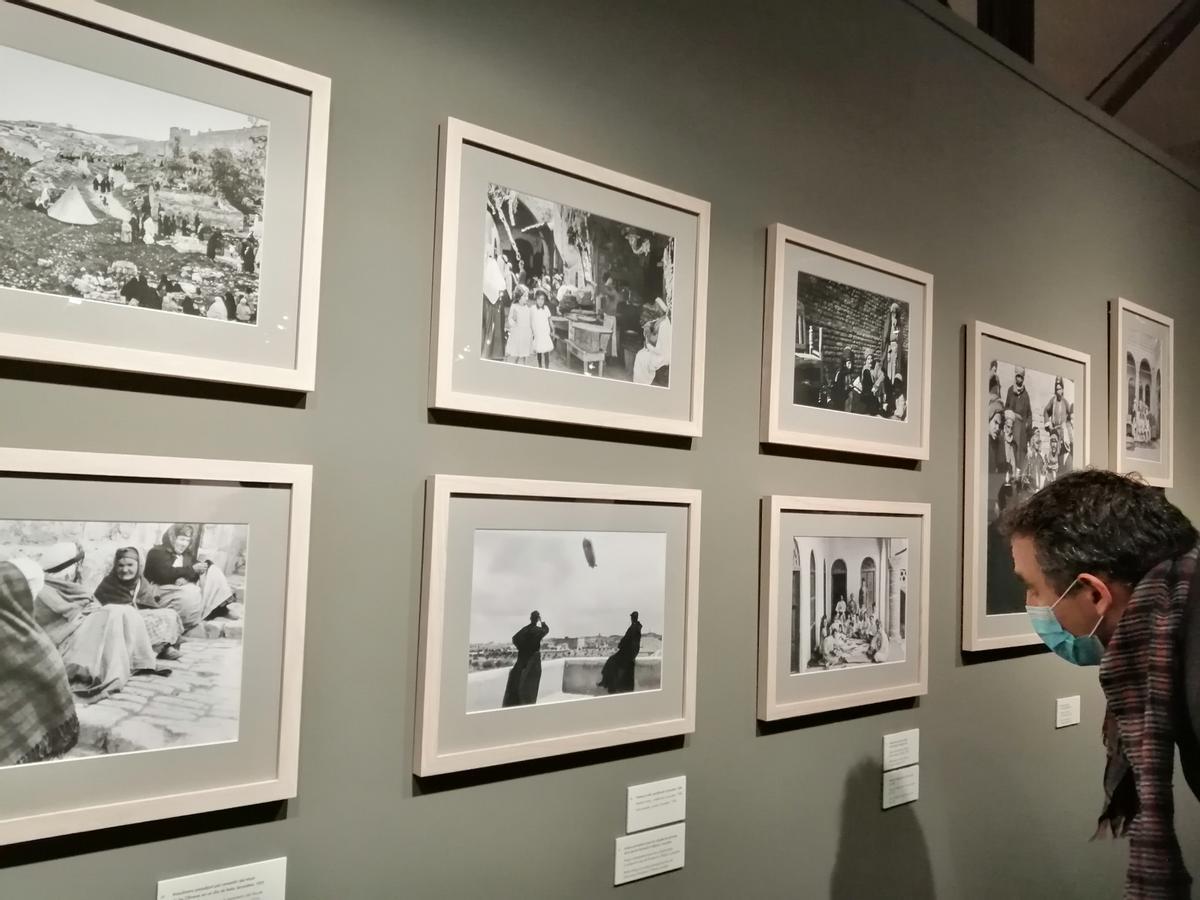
(1188, 698)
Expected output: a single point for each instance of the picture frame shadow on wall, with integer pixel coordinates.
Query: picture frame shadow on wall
(1028, 423)
(1141, 392)
(556, 617)
(839, 622)
(564, 291)
(163, 201)
(847, 349)
(152, 618)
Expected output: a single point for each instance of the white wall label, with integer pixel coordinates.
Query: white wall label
(649, 853)
(901, 749)
(655, 803)
(1066, 711)
(901, 786)
(257, 881)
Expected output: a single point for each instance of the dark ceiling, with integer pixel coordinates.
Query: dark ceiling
(1077, 43)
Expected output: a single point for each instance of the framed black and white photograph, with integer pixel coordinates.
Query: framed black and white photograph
(847, 347)
(1028, 420)
(152, 619)
(843, 605)
(549, 627)
(565, 291)
(161, 199)
(1142, 391)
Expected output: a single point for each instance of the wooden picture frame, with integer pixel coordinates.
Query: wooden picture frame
(854, 296)
(119, 786)
(1132, 326)
(993, 606)
(455, 732)
(93, 321)
(465, 370)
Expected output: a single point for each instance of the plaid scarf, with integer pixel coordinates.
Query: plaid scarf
(1139, 674)
(37, 711)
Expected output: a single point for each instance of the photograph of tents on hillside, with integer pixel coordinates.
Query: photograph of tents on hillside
(118, 193)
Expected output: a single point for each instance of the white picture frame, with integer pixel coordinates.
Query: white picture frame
(85, 814)
(1008, 626)
(787, 691)
(455, 339)
(821, 420)
(434, 714)
(1135, 327)
(294, 370)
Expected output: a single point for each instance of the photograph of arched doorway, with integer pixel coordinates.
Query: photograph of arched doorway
(843, 605)
(1157, 421)
(837, 574)
(857, 619)
(1130, 390)
(867, 599)
(1144, 342)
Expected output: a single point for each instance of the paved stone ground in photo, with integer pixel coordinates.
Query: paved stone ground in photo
(197, 703)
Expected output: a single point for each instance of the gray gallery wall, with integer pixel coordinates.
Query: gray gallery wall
(860, 120)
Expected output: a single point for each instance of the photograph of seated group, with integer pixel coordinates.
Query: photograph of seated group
(1141, 392)
(147, 613)
(843, 604)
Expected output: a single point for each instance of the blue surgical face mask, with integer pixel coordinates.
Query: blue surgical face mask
(1080, 651)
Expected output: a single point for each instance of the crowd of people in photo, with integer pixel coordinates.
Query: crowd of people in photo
(62, 642)
(525, 677)
(871, 385)
(1028, 453)
(520, 311)
(169, 295)
(103, 185)
(147, 222)
(853, 631)
(164, 293)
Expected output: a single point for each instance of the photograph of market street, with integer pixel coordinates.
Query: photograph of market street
(570, 291)
(118, 193)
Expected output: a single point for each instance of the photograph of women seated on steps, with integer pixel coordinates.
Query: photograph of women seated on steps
(118, 636)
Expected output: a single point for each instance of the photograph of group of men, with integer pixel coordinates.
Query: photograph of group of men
(1030, 431)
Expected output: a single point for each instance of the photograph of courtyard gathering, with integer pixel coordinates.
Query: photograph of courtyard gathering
(117, 637)
(118, 193)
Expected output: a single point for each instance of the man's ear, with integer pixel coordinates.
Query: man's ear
(1098, 592)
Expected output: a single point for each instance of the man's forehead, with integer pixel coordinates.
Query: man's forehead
(1024, 555)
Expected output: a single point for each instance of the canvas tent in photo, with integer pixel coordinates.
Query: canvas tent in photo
(71, 208)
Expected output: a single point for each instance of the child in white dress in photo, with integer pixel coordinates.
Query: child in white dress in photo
(543, 336)
(520, 328)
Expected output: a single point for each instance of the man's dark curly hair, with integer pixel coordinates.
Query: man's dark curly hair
(1110, 525)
